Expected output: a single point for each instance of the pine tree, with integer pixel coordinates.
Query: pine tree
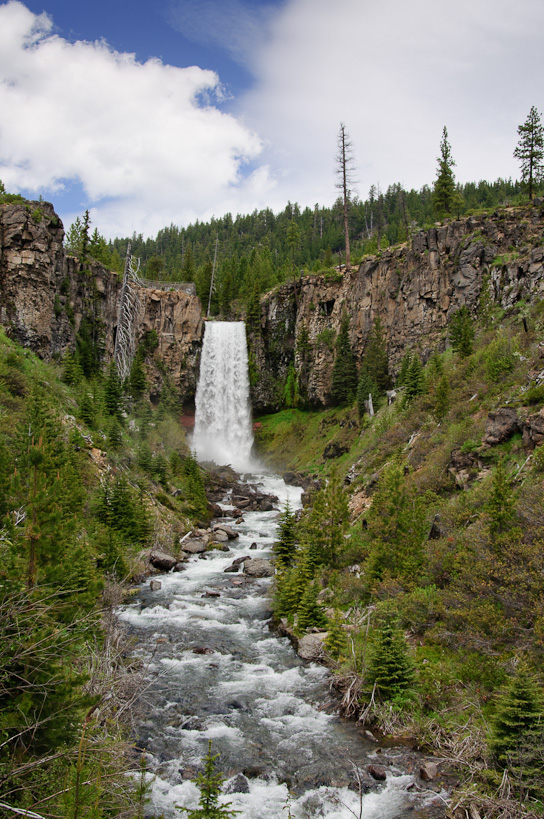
(404, 367)
(390, 667)
(209, 784)
(397, 529)
(366, 386)
(310, 614)
(344, 169)
(137, 380)
(517, 741)
(336, 640)
(284, 547)
(442, 398)
(344, 373)
(530, 151)
(445, 195)
(375, 356)
(326, 524)
(462, 332)
(501, 502)
(113, 391)
(414, 384)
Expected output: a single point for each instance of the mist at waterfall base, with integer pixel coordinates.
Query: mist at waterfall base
(223, 427)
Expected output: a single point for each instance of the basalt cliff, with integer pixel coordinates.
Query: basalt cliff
(414, 289)
(45, 293)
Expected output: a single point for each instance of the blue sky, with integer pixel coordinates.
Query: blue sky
(151, 113)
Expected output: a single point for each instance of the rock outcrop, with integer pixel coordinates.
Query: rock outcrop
(413, 288)
(45, 293)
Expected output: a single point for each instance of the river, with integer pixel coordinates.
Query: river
(214, 670)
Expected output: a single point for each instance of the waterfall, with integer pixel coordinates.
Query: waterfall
(223, 429)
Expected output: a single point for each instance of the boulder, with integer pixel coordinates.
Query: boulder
(428, 771)
(377, 772)
(155, 585)
(231, 568)
(237, 785)
(258, 567)
(162, 560)
(193, 547)
(266, 505)
(310, 647)
(501, 425)
(220, 536)
(230, 533)
(533, 430)
(334, 450)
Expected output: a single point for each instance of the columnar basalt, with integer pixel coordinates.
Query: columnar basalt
(413, 288)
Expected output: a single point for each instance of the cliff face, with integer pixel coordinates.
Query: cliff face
(414, 289)
(44, 295)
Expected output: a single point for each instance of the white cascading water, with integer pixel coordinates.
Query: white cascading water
(223, 428)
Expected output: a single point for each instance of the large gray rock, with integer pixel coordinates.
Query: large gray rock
(162, 560)
(310, 647)
(193, 547)
(501, 425)
(230, 533)
(258, 567)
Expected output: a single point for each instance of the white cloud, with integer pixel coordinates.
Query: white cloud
(150, 144)
(395, 73)
(136, 134)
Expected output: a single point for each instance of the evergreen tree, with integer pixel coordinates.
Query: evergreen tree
(501, 502)
(375, 357)
(291, 396)
(209, 784)
(136, 379)
(442, 398)
(462, 332)
(530, 151)
(517, 739)
(415, 379)
(73, 239)
(366, 386)
(404, 367)
(309, 613)
(336, 640)
(284, 547)
(113, 391)
(344, 373)
(327, 522)
(445, 196)
(397, 529)
(344, 170)
(390, 667)
(115, 434)
(71, 369)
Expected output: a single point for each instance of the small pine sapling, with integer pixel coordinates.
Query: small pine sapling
(209, 784)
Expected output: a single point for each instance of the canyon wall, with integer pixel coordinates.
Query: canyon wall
(414, 289)
(44, 294)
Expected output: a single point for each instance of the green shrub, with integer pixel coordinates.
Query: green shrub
(499, 358)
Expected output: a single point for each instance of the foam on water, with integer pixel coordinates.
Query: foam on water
(246, 690)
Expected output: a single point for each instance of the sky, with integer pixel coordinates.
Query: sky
(157, 112)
